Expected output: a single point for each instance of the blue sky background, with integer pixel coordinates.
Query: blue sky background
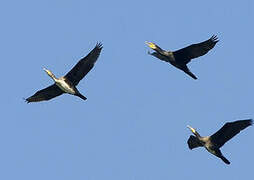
(133, 124)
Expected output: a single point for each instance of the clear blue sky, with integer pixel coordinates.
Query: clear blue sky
(133, 124)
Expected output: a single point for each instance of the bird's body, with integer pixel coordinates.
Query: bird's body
(182, 57)
(217, 140)
(68, 83)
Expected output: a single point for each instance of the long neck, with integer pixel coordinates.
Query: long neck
(167, 54)
(52, 76)
(158, 55)
(197, 134)
(159, 50)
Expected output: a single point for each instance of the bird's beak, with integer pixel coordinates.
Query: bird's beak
(151, 45)
(192, 129)
(47, 71)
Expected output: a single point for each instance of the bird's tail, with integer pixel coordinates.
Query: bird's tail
(187, 71)
(81, 96)
(191, 74)
(224, 159)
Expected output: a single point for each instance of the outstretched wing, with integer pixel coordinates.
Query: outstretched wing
(45, 94)
(193, 142)
(84, 65)
(195, 50)
(229, 130)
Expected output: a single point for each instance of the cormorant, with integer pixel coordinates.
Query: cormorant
(182, 57)
(68, 83)
(218, 139)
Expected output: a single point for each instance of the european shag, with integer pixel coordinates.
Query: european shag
(182, 57)
(218, 139)
(68, 83)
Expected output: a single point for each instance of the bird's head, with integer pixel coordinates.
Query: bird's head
(192, 129)
(151, 45)
(49, 73)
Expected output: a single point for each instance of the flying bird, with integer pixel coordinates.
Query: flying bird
(214, 142)
(182, 57)
(68, 83)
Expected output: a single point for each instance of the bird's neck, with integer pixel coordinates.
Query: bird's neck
(197, 134)
(159, 50)
(53, 77)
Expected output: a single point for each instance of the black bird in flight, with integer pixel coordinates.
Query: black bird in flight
(214, 142)
(182, 57)
(68, 83)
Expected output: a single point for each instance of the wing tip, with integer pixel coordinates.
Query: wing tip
(248, 121)
(99, 45)
(214, 38)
